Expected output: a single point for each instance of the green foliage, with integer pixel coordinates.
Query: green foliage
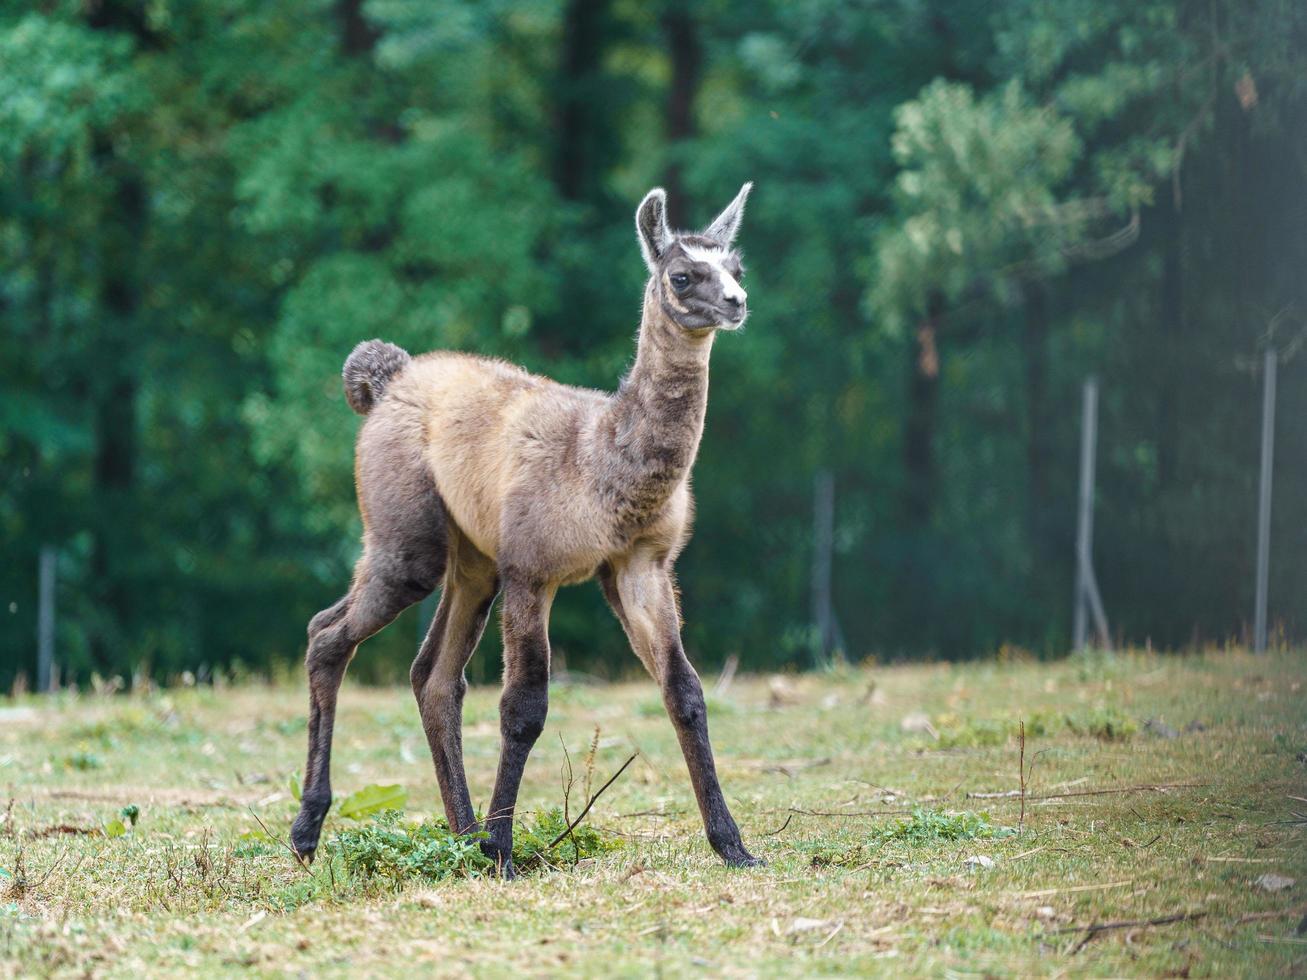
(929, 826)
(957, 732)
(531, 840)
(203, 207)
(394, 851)
(923, 827)
(83, 761)
(978, 185)
(373, 799)
(1105, 723)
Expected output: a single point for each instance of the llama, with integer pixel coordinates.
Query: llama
(480, 478)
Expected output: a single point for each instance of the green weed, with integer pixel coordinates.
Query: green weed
(931, 826)
(393, 850)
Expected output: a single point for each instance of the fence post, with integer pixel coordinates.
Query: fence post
(823, 532)
(1264, 500)
(1087, 599)
(45, 619)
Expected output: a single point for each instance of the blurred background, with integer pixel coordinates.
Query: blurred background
(963, 210)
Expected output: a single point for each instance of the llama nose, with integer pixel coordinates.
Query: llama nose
(734, 299)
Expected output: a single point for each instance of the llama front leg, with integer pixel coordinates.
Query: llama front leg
(439, 685)
(522, 708)
(644, 599)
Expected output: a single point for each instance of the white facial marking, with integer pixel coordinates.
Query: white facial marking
(714, 257)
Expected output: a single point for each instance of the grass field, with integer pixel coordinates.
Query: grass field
(1124, 821)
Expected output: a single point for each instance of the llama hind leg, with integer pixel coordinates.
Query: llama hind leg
(378, 595)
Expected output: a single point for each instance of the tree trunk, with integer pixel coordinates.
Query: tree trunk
(1034, 349)
(577, 172)
(920, 420)
(1171, 322)
(686, 53)
(357, 36)
(114, 393)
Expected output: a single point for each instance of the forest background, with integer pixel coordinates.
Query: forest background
(962, 210)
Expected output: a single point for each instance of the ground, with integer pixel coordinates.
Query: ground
(1155, 787)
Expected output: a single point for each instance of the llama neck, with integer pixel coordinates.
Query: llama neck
(656, 418)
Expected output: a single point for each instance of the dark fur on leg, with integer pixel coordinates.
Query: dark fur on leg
(683, 697)
(522, 710)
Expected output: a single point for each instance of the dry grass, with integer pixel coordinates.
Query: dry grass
(817, 767)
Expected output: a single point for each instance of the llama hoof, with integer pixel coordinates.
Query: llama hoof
(304, 844)
(740, 858)
(503, 859)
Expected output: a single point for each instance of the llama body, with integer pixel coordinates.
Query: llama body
(478, 477)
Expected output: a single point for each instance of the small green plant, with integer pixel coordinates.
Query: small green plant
(963, 733)
(395, 851)
(532, 840)
(921, 827)
(83, 761)
(1107, 724)
(927, 826)
(389, 849)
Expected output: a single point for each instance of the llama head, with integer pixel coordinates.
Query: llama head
(696, 276)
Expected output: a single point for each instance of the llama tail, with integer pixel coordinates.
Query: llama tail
(368, 370)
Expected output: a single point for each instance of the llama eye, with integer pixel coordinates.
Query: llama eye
(679, 281)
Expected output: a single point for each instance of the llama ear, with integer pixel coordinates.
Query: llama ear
(727, 224)
(651, 227)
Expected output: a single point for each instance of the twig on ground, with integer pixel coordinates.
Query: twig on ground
(299, 858)
(789, 769)
(1092, 930)
(1141, 788)
(572, 825)
(1025, 854)
(830, 935)
(843, 813)
(668, 814)
(64, 828)
(567, 797)
(1021, 773)
(781, 827)
(1045, 892)
(590, 761)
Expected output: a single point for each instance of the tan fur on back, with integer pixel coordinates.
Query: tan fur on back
(525, 463)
